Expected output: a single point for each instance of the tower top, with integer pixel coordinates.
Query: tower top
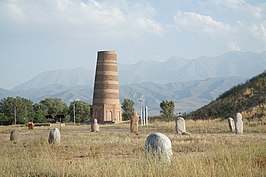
(106, 52)
(106, 55)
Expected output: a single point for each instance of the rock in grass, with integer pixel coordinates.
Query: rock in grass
(134, 121)
(95, 126)
(239, 124)
(180, 126)
(14, 135)
(158, 146)
(231, 124)
(54, 136)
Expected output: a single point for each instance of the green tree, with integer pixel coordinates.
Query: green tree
(82, 111)
(4, 120)
(39, 112)
(167, 109)
(128, 107)
(54, 106)
(16, 109)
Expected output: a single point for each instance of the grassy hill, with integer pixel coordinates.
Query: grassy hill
(249, 99)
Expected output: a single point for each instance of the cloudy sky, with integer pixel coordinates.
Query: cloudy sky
(41, 35)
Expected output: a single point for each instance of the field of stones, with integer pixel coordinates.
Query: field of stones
(209, 150)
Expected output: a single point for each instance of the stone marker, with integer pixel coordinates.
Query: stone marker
(134, 121)
(54, 136)
(14, 135)
(159, 146)
(239, 124)
(30, 125)
(180, 126)
(231, 124)
(95, 126)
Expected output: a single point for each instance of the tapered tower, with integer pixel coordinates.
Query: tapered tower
(106, 105)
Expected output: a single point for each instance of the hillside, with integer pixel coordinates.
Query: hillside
(249, 99)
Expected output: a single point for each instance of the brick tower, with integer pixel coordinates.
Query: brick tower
(106, 105)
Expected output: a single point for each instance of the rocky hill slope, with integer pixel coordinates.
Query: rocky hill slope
(249, 99)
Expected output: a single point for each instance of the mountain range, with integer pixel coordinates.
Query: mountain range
(191, 83)
(239, 64)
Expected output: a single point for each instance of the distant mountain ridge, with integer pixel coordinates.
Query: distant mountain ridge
(190, 83)
(73, 77)
(187, 96)
(238, 64)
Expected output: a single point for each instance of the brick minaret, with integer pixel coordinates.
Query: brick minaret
(106, 105)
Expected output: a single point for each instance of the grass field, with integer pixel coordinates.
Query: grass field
(211, 150)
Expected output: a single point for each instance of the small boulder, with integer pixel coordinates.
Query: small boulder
(14, 135)
(54, 136)
(159, 146)
(95, 126)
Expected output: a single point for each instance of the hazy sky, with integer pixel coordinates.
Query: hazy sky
(41, 35)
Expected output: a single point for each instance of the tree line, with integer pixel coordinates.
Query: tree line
(18, 110)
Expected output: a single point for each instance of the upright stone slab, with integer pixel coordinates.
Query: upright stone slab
(95, 126)
(30, 125)
(180, 126)
(14, 135)
(159, 146)
(134, 121)
(54, 136)
(239, 124)
(231, 124)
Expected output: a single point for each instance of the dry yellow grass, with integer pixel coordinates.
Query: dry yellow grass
(210, 151)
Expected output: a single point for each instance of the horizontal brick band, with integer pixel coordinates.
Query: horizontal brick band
(105, 86)
(106, 62)
(107, 55)
(106, 90)
(106, 78)
(104, 101)
(106, 82)
(106, 68)
(105, 95)
(115, 73)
